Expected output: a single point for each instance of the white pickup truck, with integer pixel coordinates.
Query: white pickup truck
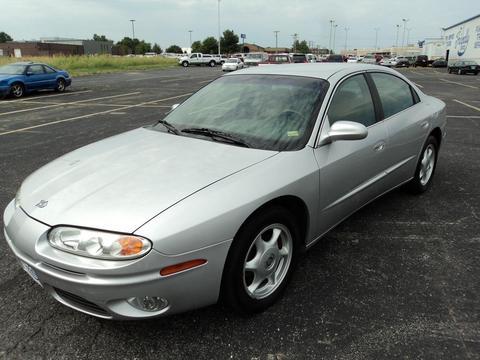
(199, 59)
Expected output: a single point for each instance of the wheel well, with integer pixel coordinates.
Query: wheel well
(437, 133)
(18, 82)
(296, 206)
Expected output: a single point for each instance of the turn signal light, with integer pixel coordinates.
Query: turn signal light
(173, 269)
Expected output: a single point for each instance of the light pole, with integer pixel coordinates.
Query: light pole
(404, 29)
(334, 33)
(133, 35)
(330, 36)
(218, 27)
(396, 39)
(376, 38)
(346, 38)
(190, 31)
(276, 40)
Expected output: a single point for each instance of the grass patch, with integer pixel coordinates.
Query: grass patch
(89, 65)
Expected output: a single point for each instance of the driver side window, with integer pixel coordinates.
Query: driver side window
(352, 102)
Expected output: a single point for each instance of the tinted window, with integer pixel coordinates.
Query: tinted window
(395, 94)
(352, 102)
(36, 69)
(267, 111)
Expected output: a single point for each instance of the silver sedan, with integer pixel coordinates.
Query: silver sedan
(217, 200)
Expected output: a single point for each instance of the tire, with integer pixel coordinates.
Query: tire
(475, 73)
(185, 64)
(459, 72)
(449, 70)
(212, 63)
(426, 165)
(17, 90)
(61, 85)
(252, 291)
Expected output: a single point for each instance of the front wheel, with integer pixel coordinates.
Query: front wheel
(260, 261)
(212, 63)
(459, 72)
(17, 90)
(185, 64)
(60, 85)
(425, 167)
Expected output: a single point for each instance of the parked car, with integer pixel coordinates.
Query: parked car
(335, 58)
(298, 58)
(199, 59)
(167, 218)
(439, 63)
(464, 67)
(311, 58)
(232, 64)
(352, 59)
(421, 60)
(369, 59)
(395, 62)
(255, 58)
(20, 78)
(278, 59)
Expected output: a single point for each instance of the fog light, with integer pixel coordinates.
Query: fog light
(148, 303)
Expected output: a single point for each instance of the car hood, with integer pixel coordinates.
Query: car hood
(122, 182)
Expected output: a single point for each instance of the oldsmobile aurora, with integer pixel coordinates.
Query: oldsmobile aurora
(218, 200)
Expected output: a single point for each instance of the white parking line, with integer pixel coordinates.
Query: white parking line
(420, 86)
(91, 115)
(45, 96)
(467, 105)
(464, 116)
(461, 84)
(86, 104)
(67, 103)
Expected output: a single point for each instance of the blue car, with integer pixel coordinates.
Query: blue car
(23, 77)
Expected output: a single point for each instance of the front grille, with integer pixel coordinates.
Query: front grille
(80, 302)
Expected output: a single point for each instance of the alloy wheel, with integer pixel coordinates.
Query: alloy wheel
(427, 164)
(17, 90)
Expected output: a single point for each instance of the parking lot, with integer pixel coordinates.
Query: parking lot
(399, 279)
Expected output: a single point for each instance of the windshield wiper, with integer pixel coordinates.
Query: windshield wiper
(169, 127)
(216, 134)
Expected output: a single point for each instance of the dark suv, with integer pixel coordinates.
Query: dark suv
(299, 58)
(335, 58)
(464, 67)
(421, 60)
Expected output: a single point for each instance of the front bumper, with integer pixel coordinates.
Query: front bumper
(4, 91)
(101, 288)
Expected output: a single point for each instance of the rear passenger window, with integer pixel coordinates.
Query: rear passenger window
(352, 102)
(395, 94)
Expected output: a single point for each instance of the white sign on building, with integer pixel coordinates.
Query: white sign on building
(463, 40)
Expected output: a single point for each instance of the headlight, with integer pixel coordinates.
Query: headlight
(98, 244)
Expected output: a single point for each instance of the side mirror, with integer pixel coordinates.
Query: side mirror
(174, 106)
(345, 130)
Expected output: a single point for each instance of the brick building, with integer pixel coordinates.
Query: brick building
(36, 48)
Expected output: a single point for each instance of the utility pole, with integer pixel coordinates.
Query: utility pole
(133, 35)
(218, 27)
(276, 40)
(376, 38)
(396, 39)
(330, 36)
(190, 31)
(346, 37)
(334, 33)
(404, 29)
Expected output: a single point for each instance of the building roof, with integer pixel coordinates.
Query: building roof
(462, 22)
(316, 70)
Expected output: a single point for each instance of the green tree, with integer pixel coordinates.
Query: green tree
(142, 47)
(197, 46)
(229, 42)
(210, 45)
(174, 49)
(156, 48)
(100, 38)
(128, 45)
(301, 47)
(4, 37)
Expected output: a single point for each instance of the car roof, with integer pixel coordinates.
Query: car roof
(315, 70)
(24, 63)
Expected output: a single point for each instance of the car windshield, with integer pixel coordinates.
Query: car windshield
(272, 112)
(231, 61)
(12, 69)
(254, 56)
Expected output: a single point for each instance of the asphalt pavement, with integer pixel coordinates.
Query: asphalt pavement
(398, 279)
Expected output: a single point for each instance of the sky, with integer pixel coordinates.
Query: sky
(167, 21)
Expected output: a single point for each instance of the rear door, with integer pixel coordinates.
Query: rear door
(407, 122)
(351, 171)
(35, 77)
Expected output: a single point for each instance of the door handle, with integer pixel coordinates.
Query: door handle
(380, 146)
(424, 124)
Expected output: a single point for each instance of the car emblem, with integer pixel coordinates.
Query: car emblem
(42, 204)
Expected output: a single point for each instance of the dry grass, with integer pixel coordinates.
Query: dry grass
(87, 65)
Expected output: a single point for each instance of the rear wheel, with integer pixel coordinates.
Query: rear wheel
(60, 85)
(425, 167)
(212, 63)
(17, 90)
(185, 64)
(459, 72)
(260, 261)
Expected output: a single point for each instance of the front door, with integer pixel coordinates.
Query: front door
(36, 77)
